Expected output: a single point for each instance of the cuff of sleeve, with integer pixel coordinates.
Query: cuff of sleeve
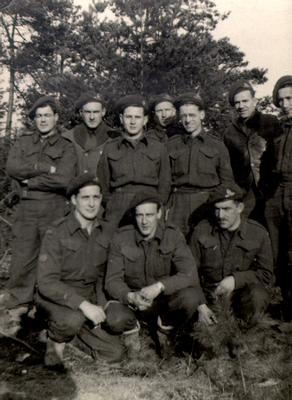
(74, 301)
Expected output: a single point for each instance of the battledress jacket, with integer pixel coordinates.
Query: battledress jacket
(134, 263)
(31, 158)
(71, 262)
(248, 257)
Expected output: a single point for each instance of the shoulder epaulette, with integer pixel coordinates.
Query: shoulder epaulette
(212, 135)
(253, 222)
(58, 222)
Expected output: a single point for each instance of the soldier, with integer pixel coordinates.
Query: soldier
(91, 134)
(42, 163)
(234, 258)
(152, 271)
(278, 206)
(132, 162)
(71, 275)
(246, 138)
(199, 162)
(164, 118)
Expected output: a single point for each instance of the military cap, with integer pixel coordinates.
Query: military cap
(81, 181)
(134, 100)
(161, 98)
(42, 102)
(226, 192)
(237, 87)
(285, 80)
(144, 197)
(190, 98)
(88, 98)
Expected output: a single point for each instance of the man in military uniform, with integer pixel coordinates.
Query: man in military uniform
(151, 270)
(71, 275)
(234, 258)
(132, 162)
(42, 163)
(246, 138)
(91, 134)
(199, 162)
(278, 206)
(164, 123)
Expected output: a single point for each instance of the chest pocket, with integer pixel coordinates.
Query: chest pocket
(163, 265)
(179, 162)
(245, 256)
(211, 268)
(207, 161)
(134, 264)
(71, 254)
(120, 164)
(149, 163)
(53, 153)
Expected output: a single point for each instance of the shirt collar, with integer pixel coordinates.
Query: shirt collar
(51, 139)
(187, 137)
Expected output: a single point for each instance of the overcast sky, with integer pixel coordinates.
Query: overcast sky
(262, 29)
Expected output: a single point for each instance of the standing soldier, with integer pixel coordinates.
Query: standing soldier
(164, 118)
(91, 134)
(279, 206)
(246, 139)
(42, 163)
(199, 162)
(132, 162)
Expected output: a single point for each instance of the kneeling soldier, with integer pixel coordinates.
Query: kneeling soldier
(151, 273)
(70, 277)
(234, 258)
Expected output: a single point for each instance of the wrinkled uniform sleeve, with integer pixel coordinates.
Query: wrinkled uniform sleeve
(49, 273)
(164, 184)
(115, 276)
(20, 167)
(224, 169)
(66, 168)
(103, 173)
(185, 266)
(261, 269)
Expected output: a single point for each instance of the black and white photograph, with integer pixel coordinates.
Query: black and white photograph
(145, 200)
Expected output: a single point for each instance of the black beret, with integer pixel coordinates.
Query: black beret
(285, 80)
(144, 197)
(226, 192)
(42, 102)
(161, 98)
(134, 100)
(88, 98)
(81, 181)
(190, 98)
(237, 87)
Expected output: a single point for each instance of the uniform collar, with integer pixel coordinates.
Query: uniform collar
(158, 234)
(74, 225)
(239, 232)
(51, 139)
(124, 140)
(187, 137)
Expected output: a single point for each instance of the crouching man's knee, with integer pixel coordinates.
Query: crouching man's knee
(119, 318)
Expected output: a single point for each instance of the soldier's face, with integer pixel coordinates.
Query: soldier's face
(92, 114)
(45, 120)
(133, 120)
(285, 100)
(228, 214)
(147, 218)
(244, 104)
(164, 111)
(87, 202)
(191, 117)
